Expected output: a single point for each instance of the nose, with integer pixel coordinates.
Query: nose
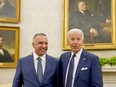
(44, 45)
(75, 41)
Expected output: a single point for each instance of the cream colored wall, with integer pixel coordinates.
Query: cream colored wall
(41, 16)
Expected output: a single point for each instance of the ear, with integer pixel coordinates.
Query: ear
(33, 44)
(83, 40)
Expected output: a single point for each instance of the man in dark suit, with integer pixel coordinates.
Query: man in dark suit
(82, 70)
(27, 72)
(90, 24)
(6, 9)
(4, 54)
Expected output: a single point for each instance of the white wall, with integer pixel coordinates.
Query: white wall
(41, 16)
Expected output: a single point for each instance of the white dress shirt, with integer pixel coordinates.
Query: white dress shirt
(43, 61)
(76, 61)
(2, 52)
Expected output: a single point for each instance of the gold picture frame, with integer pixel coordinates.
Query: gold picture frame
(10, 11)
(108, 29)
(9, 43)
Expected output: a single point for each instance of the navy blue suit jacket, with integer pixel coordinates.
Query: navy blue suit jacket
(88, 73)
(26, 75)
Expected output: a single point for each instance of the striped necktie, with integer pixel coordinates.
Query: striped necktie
(70, 72)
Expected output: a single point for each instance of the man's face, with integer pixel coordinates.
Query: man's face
(1, 42)
(82, 6)
(40, 45)
(75, 41)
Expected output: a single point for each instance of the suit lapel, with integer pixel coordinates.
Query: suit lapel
(47, 68)
(65, 64)
(82, 61)
(32, 67)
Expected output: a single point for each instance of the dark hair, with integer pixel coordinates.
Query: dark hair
(78, 1)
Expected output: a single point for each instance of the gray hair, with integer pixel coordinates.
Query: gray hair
(76, 30)
(38, 34)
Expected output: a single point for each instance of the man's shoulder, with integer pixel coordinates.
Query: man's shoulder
(77, 13)
(87, 11)
(65, 53)
(90, 55)
(51, 57)
(26, 57)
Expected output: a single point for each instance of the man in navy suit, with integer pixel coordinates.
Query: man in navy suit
(85, 67)
(26, 72)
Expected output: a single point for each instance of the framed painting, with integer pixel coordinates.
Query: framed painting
(9, 46)
(96, 18)
(9, 11)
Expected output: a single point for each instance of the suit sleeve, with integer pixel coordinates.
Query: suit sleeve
(60, 76)
(96, 73)
(18, 78)
(56, 76)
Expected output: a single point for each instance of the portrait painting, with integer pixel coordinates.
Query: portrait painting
(9, 10)
(95, 18)
(9, 46)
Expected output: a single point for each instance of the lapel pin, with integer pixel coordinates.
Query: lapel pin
(84, 59)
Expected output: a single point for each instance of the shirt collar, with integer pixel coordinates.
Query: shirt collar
(79, 53)
(82, 12)
(36, 56)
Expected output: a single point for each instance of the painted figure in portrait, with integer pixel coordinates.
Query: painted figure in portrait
(93, 17)
(4, 54)
(7, 10)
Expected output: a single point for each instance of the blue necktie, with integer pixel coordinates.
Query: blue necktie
(70, 72)
(39, 70)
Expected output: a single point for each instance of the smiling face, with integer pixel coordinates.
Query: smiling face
(40, 44)
(75, 40)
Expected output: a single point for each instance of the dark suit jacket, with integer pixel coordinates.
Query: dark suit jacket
(86, 21)
(88, 73)
(26, 74)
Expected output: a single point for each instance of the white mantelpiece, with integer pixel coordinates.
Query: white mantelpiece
(109, 76)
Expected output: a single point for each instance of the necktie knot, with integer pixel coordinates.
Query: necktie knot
(39, 59)
(74, 55)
